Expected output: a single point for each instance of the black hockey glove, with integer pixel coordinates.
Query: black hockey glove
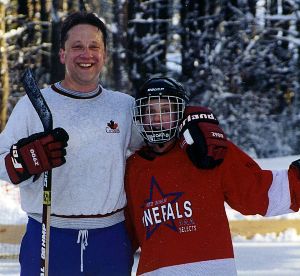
(35, 154)
(202, 138)
(295, 166)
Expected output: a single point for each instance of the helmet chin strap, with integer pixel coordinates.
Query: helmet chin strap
(161, 146)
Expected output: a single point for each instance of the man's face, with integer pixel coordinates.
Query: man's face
(159, 114)
(83, 56)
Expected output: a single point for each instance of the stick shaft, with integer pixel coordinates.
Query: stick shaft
(35, 96)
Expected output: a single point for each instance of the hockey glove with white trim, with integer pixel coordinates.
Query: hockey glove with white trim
(202, 138)
(36, 154)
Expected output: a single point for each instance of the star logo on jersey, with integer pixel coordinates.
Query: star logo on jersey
(112, 127)
(160, 209)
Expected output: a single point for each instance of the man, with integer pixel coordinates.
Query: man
(94, 127)
(176, 190)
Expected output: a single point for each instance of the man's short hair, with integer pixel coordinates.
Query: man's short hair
(81, 17)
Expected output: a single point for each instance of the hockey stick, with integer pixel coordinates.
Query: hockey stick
(35, 96)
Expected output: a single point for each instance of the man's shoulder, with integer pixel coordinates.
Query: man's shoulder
(47, 90)
(118, 94)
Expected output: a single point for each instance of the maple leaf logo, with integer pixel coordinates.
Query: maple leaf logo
(112, 125)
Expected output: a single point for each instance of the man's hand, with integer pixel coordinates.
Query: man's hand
(202, 138)
(36, 154)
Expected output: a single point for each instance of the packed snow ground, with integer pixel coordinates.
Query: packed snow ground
(269, 254)
(252, 258)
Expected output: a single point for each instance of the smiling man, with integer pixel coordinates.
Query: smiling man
(83, 51)
(87, 235)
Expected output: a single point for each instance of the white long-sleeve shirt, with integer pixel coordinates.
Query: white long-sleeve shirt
(101, 136)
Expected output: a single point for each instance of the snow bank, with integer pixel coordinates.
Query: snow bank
(10, 210)
(289, 235)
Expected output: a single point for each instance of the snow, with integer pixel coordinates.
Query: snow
(4, 2)
(289, 235)
(267, 258)
(277, 163)
(14, 32)
(10, 210)
(269, 254)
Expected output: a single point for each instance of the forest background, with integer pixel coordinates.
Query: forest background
(241, 58)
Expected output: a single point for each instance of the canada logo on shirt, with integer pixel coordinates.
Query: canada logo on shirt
(165, 210)
(112, 127)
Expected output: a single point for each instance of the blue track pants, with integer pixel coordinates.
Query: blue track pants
(104, 251)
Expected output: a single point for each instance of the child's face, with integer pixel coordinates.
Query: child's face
(159, 114)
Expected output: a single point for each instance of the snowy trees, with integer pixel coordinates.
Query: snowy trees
(241, 58)
(238, 62)
(148, 23)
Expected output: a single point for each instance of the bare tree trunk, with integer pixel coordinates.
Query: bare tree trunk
(81, 4)
(71, 6)
(118, 55)
(4, 67)
(287, 9)
(57, 69)
(147, 59)
(43, 71)
(23, 7)
(161, 13)
(134, 33)
(272, 9)
(44, 14)
(22, 10)
(252, 7)
(32, 12)
(191, 12)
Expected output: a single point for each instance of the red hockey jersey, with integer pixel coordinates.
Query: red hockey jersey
(176, 212)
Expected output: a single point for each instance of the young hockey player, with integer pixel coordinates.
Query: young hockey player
(176, 189)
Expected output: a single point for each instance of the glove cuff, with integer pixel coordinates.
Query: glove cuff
(14, 166)
(197, 117)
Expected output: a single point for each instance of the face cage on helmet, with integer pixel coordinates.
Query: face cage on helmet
(162, 130)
